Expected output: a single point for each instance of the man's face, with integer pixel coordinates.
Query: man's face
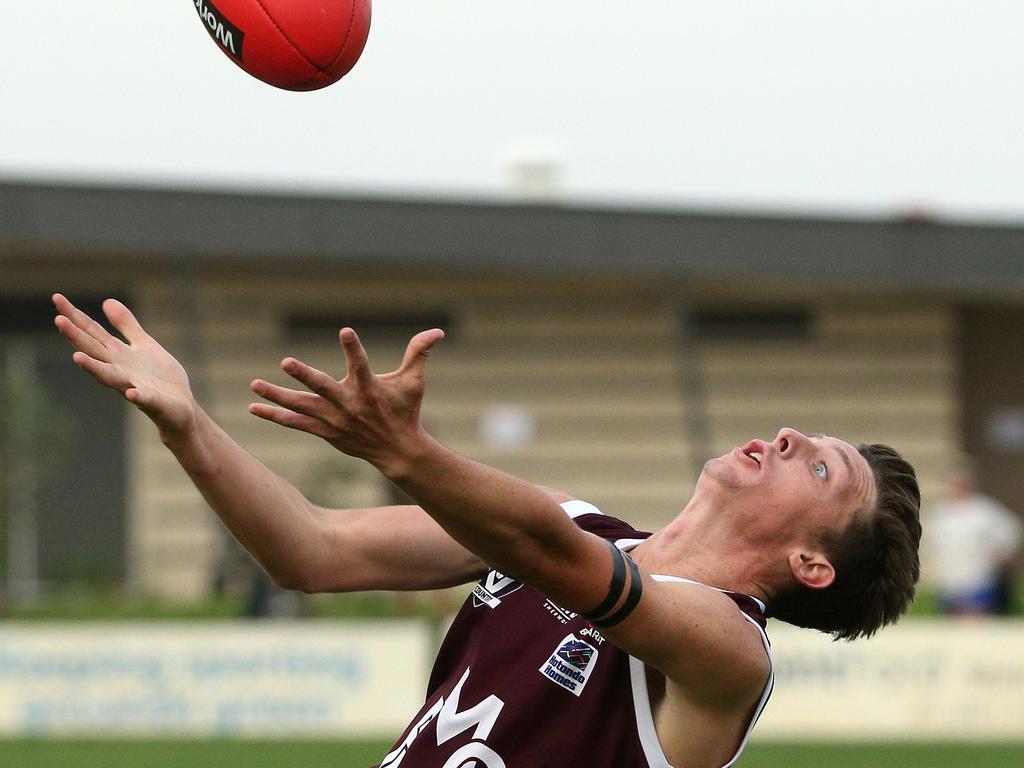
(792, 489)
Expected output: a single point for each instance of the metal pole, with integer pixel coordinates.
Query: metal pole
(194, 356)
(698, 423)
(22, 476)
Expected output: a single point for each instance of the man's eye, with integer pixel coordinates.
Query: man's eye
(821, 470)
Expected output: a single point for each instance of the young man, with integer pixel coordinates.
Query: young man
(972, 542)
(570, 651)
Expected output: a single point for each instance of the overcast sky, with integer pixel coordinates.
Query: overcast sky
(829, 106)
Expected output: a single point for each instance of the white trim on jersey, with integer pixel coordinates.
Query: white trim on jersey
(627, 544)
(575, 508)
(658, 577)
(764, 695)
(637, 671)
(645, 717)
(642, 702)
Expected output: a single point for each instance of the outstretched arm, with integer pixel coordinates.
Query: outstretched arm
(517, 528)
(510, 524)
(301, 545)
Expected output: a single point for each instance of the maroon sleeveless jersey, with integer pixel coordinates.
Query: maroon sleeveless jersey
(520, 682)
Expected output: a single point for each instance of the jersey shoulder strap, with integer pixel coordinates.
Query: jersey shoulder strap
(593, 520)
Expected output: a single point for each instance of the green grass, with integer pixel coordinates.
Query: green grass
(85, 603)
(883, 756)
(170, 753)
(362, 754)
(99, 605)
(110, 605)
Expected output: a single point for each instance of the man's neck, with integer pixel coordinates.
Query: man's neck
(698, 546)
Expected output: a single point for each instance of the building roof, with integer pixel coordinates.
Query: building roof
(96, 220)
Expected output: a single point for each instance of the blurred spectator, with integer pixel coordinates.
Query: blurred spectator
(971, 540)
(237, 574)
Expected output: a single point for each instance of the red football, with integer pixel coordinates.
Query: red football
(299, 45)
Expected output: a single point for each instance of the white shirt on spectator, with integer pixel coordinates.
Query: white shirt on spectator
(968, 540)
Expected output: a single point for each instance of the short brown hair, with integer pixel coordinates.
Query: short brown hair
(875, 559)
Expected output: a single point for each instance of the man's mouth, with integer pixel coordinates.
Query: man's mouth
(754, 451)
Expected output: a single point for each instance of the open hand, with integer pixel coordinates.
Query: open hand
(141, 370)
(372, 417)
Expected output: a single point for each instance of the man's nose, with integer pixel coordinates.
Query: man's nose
(788, 441)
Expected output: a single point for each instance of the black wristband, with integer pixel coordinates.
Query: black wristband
(636, 589)
(615, 589)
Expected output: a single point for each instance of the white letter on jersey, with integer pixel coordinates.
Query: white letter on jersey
(481, 756)
(394, 759)
(450, 723)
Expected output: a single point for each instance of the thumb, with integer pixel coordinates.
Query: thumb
(146, 401)
(151, 403)
(414, 363)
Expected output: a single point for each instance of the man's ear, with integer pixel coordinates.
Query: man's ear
(812, 569)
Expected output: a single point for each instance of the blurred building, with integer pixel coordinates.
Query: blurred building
(605, 352)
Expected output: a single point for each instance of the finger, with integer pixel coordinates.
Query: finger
(106, 374)
(81, 340)
(290, 419)
(316, 380)
(358, 364)
(83, 321)
(122, 318)
(414, 363)
(301, 402)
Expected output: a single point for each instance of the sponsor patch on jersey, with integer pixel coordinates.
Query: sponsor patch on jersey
(492, 588)
(571, 664)
(592, 633)
(577, 653)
